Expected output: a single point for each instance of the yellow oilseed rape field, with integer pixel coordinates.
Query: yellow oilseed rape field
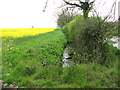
(15, 33)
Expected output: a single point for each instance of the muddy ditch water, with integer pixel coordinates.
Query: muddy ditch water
(67, 59)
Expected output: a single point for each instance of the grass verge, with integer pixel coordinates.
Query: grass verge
(34, 62)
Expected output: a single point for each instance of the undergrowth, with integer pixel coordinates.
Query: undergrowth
(36, 63)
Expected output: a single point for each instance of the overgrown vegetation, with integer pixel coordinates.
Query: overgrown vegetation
(21, 57)
(88, 37)
(65, 17)
(35, 65)
(36, 61)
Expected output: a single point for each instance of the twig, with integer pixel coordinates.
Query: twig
(45, 6)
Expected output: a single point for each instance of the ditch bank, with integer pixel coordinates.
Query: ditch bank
(67, 55)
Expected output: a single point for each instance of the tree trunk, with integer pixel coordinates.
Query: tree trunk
(86, 10)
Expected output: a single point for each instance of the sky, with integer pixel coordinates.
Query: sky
(28, 13)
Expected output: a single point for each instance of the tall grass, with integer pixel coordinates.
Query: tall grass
(37, 65)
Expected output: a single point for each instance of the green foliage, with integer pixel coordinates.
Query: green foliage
(88, 38)
(70, 29)
(77, 76)
(28, 70)
(39, 47)
(24, 55)
(112, 53)
(65, 17)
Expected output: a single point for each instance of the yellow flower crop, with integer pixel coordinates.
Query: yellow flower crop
(24, 32)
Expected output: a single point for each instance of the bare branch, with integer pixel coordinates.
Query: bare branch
(114, 9)
(71, 3)
(92, 2)
(114, 5)
(45, 6)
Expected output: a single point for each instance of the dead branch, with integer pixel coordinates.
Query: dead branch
(71, 3)
(45, 6)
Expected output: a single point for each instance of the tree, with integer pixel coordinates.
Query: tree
(65, 16)
(85, 6)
